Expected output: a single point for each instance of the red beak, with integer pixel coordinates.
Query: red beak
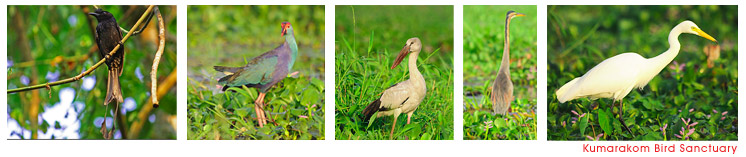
(404, 51)
(284, 30)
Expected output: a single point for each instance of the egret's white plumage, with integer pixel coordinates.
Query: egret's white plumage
(615, 77)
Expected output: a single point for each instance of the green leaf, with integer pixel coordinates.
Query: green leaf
(372, 119)
(583, 123)
(603, 120)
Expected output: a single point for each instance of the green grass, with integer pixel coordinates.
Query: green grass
(362, 69)
(483, 47)
(582, 36)
(232, 35)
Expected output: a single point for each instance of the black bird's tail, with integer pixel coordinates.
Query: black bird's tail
(372, 108)
(114, 91)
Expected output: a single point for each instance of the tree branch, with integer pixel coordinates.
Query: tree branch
(95, 66)
(145, 111)
(157, 58)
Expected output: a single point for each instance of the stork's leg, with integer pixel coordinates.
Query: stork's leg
(409, 117)
(391, 135)
(621, 118)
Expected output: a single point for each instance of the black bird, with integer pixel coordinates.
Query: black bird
(109, 36)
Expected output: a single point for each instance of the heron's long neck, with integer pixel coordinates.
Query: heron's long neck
(659, 62)
(414, 73)
(505, 63)
(290, 39)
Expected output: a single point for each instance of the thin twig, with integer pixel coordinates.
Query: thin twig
(157, 58)
(138, 31)
(145, 111)
(76, 78)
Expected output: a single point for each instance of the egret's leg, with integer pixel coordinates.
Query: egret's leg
(621, 118)
(391, 135)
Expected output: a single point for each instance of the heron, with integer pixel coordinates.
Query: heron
(617, 76)
(502, 87)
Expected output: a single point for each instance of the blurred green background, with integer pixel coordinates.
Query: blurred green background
(484, 38)
(233, 35)
(686, 92)
(49, 43)
(368, 38)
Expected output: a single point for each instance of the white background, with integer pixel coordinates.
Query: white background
(331, 147)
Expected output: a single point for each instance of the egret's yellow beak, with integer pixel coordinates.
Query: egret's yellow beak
(519, 14)
(703, 34)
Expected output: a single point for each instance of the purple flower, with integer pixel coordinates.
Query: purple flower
(89, 82)
(139, 74)
(693, 124)
(72, 20)
(677, 67)
(691, 110)
(663, 129)
(52, 76)
(573, 112)
(10, 63)
(128, 105)
(151, 118)
(24, 80)
(596, 138)
(302, 116)
(714, 111)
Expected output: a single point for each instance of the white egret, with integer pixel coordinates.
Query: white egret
(617, 76)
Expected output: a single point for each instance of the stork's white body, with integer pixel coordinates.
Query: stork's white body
(405, 96)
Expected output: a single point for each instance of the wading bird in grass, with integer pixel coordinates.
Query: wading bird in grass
(403, 97)
(617, 76)
(502, 88)
(263, 71)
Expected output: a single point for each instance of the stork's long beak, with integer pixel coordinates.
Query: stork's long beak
(703, 34)
(404, 51)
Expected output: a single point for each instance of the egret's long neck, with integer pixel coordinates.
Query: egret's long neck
(290, 39)
(505, 63)
(414, 73)
(659, 62)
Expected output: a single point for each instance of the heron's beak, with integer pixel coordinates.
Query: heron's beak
(520, 14)
(703, 34)
(404, 51)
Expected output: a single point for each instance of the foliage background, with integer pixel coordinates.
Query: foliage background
(49, 43)
(686, 101)
(232, 35)
(484, 28)
(367, 42)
